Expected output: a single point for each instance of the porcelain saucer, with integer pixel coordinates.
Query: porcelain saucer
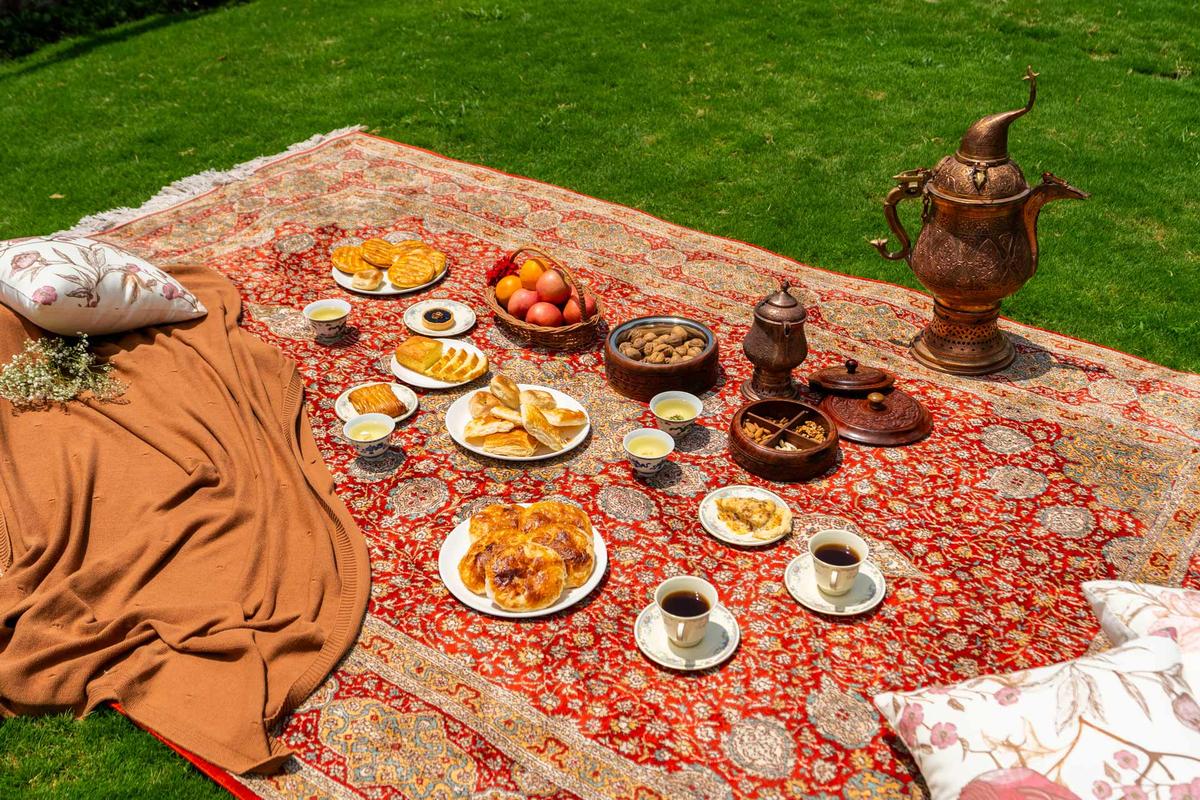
(868, 591)
(720, 640)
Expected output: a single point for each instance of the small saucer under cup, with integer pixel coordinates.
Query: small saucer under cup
(868, 591)
(721, 638)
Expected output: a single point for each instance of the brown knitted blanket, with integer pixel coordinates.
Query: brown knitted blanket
(179, 551)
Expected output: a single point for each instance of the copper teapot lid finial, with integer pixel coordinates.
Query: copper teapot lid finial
(781, 306)
(987, 139)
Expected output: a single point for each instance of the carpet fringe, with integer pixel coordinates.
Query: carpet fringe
(193, 186)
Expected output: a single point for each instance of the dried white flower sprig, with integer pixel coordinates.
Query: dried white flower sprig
(56, 370)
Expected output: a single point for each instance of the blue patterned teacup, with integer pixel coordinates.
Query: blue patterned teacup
(370, 434)
(647, 450)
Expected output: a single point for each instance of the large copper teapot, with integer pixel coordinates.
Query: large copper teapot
(978, 243)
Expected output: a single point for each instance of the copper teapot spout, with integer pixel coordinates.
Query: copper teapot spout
(987, 139)
(1051, 188)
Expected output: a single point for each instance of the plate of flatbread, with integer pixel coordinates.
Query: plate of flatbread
(517, 422)
(523, 559)
(749, 516)
(382, 268)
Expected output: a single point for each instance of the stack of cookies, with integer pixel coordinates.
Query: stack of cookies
(406, 264)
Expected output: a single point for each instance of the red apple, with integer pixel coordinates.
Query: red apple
(572, 312)
(552, 288)
(544, 314)
(589, 302)
(521, 301)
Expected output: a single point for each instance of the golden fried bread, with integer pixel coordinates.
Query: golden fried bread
(564, 417)
(539, 428)
(524, 577)
(504, 412)
(419, 353)
(349, 259)
(378, 398)
(552, 512)
(762, 519)
(504, 388)
(409, 271)
(482, 402)
(367, 280)
(537, 397)
(379, 252)
(497, 517)
(516, 443)
(572, 545)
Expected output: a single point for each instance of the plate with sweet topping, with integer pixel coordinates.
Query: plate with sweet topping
(439, 317)
(397, 401)
(523, 559)
(748, 516)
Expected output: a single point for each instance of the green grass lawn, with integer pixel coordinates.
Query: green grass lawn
(779, 123)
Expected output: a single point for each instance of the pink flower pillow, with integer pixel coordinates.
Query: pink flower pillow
(1122, 724)
(73, 285)
(1129, 610)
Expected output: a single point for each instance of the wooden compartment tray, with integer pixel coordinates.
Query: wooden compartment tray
(765, 460)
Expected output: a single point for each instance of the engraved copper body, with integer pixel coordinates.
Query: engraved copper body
(978, 242)
(775, 345)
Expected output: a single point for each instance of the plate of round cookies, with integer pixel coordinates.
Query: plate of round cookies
(382, 268)
(524, 559)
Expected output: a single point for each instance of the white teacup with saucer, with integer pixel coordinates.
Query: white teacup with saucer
(867, 591)
(659, 633)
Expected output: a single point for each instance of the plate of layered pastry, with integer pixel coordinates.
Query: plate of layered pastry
(434, 364)
(517, 421)
(383, 268)
(398, 402)
(523, 560)
(748, 516)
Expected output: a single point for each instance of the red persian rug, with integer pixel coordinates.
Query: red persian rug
(1076, 463)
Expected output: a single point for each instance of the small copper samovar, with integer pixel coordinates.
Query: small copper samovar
(978, 243)
(775, 345)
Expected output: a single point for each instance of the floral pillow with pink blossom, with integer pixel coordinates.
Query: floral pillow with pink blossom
(1129, 610)
(74, 285)
(1121, 724)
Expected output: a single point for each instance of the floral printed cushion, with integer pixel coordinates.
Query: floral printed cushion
(73, 285)
(1129, 610)
(1122, 724)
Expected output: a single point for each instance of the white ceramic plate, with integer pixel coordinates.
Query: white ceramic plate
(721, 638)
(424, 381)
(405, 395)
(868, 590)
(459, 542)
(459, 414)
(464, 317)
(715, 527)
(385, 289)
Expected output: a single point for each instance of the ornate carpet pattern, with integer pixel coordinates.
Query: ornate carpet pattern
(1076, 463)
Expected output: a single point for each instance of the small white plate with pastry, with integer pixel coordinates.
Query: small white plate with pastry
(397, 401)
(748, 516)
(523, 560)
(517, 422)
(436, 364)
(439, 317)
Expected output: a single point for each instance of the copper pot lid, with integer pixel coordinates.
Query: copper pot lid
(781, 307)
(851, 378)
(884, 420)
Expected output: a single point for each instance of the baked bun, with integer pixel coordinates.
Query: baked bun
(368, 280)
(516, 443)
(552, 512)
(472, 568)
(504, 388)
(564, 417)
(482, 402)
(540, 428)
(498, 517)
(524, 577)
(572, 545)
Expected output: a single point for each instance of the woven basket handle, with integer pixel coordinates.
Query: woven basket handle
(571, 280)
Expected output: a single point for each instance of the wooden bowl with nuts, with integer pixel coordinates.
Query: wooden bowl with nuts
(648, 355)
(783, 440)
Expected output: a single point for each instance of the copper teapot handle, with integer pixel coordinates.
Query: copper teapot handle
(910, 185)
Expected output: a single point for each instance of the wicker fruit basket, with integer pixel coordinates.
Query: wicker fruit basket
(575, 336)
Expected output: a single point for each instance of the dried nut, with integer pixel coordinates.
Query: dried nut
(657, 357)
(811, 430)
